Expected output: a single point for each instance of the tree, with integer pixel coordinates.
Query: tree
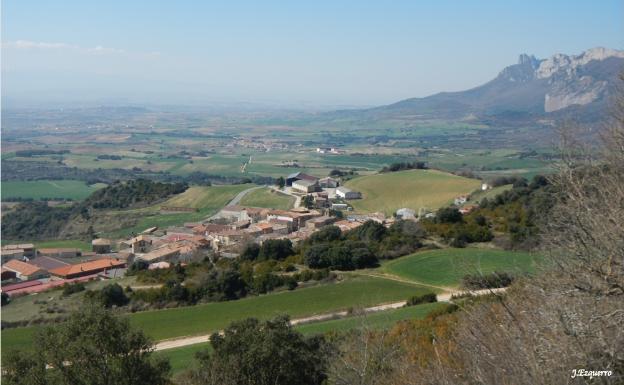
(110, 295)
(252, 352)
(448, 215)
(326, 234)
(280, 182)
(370, 231)
(250, 252)
(92, 348)
(308, 201)
(277, 249)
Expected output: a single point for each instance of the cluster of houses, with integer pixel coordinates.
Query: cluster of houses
(26, 269)
(326, 192)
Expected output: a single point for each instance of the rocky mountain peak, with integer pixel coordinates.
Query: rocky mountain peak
(531, 60)
(568, 63)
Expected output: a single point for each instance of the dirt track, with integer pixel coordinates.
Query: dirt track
(444, 297)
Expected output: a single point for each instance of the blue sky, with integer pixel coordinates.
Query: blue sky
(289, 53)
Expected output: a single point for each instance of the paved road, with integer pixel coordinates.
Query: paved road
(444, 297)
(236, 200)
(286, 191)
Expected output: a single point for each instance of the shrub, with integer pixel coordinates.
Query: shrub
(71, 288)
(487, 281)
(420, 299)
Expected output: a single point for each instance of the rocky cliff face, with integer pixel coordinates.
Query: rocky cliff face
(531, 89)
(569, 85)
(567, 81)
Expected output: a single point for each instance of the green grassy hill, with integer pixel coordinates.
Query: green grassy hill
(447, 267)
(206, 199)
(266, 198)
(204, 319)
(182, 358)
(412, 188)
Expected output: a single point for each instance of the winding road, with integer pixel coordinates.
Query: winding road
(236, 200)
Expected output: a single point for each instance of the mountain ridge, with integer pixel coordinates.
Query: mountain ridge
(531, 90)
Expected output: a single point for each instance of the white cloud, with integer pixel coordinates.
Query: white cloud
(27, 44)
(32, 45)
(99, 50)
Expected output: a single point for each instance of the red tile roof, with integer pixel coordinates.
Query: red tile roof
(20, 267)
(88, 267)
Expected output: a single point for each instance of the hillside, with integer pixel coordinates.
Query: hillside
(561, 86)
(413, 189)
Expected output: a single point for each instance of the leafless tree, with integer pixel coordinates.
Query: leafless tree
(569, 317)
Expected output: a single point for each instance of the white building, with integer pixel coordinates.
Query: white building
(406, 213)
(347, 193)
(460, 200)
(305, 186)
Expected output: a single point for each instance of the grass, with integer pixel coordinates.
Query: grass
(266, 198)
(33, 306)
(206, 199)
(67, 189)
(447, 267)
(203, 319)
(414, 189)
(489, 194)
(182, 358)
(379, 320)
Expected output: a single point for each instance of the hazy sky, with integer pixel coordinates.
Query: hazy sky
(288, 52)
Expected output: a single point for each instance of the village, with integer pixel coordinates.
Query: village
(319, 202)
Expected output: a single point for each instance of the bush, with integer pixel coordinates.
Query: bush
(276, 249)
(250, 252)
(487, 281)
(110, 295)
(71, 288)
(420, 299)
(448, 215)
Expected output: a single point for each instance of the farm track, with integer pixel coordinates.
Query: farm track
(444, 297)
(396, 278)
(236, 200)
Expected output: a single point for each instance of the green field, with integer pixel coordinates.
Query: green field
(206, 199)
(447, 267)
(182, 358)
(414, 189)
(67, 189)
(203, 319)
(379, 320)
(266, 198)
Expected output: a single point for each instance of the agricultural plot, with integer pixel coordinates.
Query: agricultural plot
(206, 199)
(182, 358)
(266, 198)
(414, 189)
(204, 319)
(55, 189)
(447, 267)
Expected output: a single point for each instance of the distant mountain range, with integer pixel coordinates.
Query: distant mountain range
(533, 90)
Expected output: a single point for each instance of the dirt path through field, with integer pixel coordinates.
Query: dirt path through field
(444, 297)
